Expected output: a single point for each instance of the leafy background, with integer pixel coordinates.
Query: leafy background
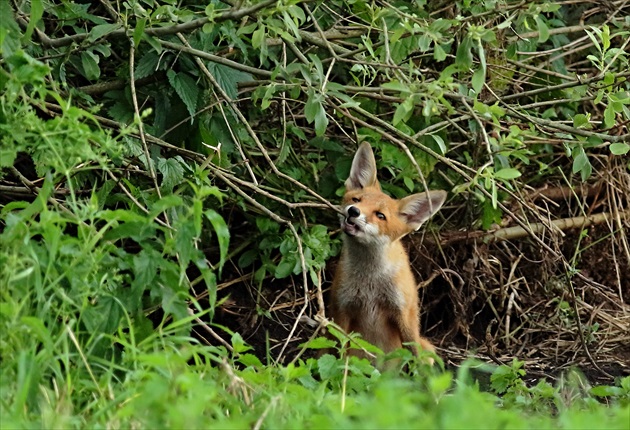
(169, 174)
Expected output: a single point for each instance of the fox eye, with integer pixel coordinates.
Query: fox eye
(381, 215)
(356, 199)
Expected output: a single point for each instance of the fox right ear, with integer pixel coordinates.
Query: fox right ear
(417, 208)
(363, 170)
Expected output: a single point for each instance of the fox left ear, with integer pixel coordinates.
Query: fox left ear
(363, 170)
(417, 208)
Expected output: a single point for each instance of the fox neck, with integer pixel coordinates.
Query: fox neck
(380, 259)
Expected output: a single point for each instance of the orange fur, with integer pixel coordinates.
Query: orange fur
(374, 291)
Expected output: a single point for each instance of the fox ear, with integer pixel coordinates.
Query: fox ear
(363, 170)
(417, 208)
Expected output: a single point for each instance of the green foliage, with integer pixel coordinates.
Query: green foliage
(113, 236)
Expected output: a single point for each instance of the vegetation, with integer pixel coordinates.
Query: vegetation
(168, 176)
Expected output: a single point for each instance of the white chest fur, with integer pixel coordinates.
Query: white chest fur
(368, 281)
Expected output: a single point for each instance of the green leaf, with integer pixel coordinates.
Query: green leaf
(409, 183)
(228, 78)
(147, 65)
(37, 11)
(619, 148)
(582, 121)
(396, 86)
(172, 171)
(512, 51)
(478, 79)
(579, 161)
(238, 344)
(605, 38)
(186, 89)
(441, 383)
(321, 121)
(314, 112)
(594, 39)
(7, 156)
(403, 111)
(606, 391)
(250, 360)
(139, 31)
(185, 242)
(440, 142)
(169, 201)
(439, 54)
(609, 116)
(99, 31)
(319, 343)
(248, 258)
(89, 61)
(509, 173)
(153, 41)
(285, 268)
(223, 235)
(543, 30)
(104, 317)
(463, 57)
(39, 329)
(145, 265)
(312, 106)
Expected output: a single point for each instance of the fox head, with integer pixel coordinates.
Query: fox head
(373, 218)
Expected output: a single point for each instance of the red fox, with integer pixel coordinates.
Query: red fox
(374, 291)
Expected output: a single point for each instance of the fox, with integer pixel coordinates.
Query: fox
(374, 291)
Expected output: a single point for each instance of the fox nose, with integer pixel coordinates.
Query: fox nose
(353, 212)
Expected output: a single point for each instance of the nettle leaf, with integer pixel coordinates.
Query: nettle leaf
(228, 78)
(145, 265)
(186, 89)
(8, 156)
(104, 317)
(147, 65)
(329, 367)
(223, 235)
(172, 172)
(319, 343)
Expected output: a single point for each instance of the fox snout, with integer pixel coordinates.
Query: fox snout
(353, 212)
(352, 224)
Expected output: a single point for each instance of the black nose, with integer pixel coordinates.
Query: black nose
(353, 212)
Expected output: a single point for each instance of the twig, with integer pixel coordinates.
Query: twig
(209, 329)
(157, 31)
(518, 232)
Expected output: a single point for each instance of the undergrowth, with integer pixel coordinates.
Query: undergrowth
(162, 163)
